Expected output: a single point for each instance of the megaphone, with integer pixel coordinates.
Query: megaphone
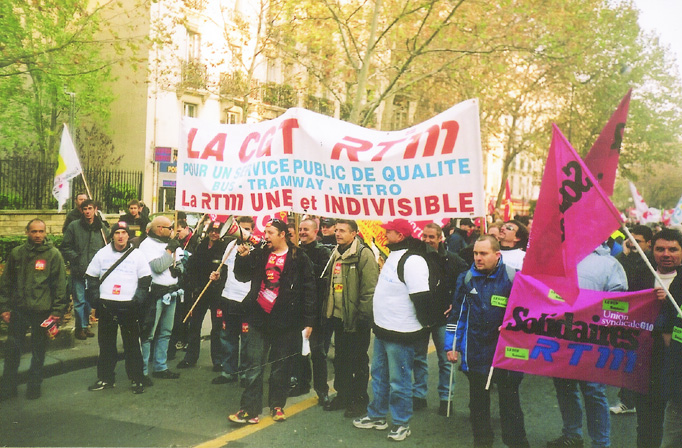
(242, 235)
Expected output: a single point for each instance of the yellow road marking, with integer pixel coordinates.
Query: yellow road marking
(266, 422)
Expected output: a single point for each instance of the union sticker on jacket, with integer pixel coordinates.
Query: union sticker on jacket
(40, 265)
(117, 290)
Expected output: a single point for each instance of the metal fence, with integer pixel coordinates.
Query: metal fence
(26, 183)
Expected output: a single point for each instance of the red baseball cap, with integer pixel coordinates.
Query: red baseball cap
(399, 225)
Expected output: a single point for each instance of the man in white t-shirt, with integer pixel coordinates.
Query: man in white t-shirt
(119, 295)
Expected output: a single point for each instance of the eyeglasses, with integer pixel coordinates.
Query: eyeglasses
(165, 227)
(509, 227)
(215, 230)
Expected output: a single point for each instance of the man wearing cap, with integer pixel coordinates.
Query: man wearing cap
(398, 333)
(163, 253)
(120, 291)
(32, 289)
(327, 230)
(351, 277)
(280, 307)
(203, 261)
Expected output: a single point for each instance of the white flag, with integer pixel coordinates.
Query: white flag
(68, 168)
(645, 214)
(676, 218)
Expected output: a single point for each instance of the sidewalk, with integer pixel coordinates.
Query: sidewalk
(64, 353)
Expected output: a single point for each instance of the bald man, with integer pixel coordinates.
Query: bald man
(163, 252)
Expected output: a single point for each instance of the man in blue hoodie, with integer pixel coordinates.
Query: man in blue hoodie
(472, 330)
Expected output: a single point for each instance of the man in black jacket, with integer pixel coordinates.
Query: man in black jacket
(453, 265)
(279, 306)
(319, 255)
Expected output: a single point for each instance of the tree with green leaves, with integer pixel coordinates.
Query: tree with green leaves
(52, 51)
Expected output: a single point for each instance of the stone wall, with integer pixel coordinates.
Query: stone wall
(13, 222)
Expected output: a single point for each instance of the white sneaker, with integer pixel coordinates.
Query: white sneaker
(399, 432)
(620, 408)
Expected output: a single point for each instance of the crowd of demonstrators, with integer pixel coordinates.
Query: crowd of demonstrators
(267, 297)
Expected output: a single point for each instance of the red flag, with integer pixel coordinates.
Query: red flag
(602, 160)
(573, 216)
(508, 208)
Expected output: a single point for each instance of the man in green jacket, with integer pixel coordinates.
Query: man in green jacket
(32, 289)
(352, 274)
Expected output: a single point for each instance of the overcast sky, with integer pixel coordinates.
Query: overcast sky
(664, 17)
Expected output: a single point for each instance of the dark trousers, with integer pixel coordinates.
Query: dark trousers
(351, 362)
(651, 407)
(210, 300)
(19, 323)
(274, 347)
(111, 317)
(318, 356)
(231, 335)
(511, 415)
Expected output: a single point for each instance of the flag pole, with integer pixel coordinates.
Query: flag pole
(651, 268)
(85, 183)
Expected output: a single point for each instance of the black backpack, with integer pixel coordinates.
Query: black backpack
(437, 284)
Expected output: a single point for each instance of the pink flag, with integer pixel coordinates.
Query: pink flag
(604, 337)
(602, 160)
(572, 217)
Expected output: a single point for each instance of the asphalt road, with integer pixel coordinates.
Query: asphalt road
(191, 411)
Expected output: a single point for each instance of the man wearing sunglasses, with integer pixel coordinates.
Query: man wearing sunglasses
(163, 252)
(513, 241)
(279, 306)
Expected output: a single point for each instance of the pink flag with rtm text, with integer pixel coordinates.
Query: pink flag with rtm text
(603, 337)
(572, 217)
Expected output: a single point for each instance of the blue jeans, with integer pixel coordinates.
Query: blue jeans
(596, 408)
(421, 368)
(392, 380)
(160, 332)
(81, 307)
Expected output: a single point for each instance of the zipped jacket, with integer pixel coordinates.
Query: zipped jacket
(476, 316)
(81, 242)
(34, 279)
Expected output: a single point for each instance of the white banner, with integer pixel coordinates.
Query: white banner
(305, 162)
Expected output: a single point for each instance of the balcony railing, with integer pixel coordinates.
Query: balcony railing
(193, 75)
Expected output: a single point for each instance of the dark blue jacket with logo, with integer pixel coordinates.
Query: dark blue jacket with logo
(472, 327)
